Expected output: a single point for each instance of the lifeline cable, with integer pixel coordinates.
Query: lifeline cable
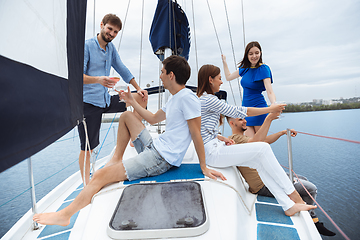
(317, 204)
(335, 138)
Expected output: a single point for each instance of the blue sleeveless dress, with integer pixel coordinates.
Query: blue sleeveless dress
(253, 85)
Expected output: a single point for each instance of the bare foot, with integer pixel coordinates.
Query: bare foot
(297, 208)
(296, 198)
(131, 144)
(52, 218)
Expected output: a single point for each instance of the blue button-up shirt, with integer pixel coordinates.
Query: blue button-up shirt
(98, 62)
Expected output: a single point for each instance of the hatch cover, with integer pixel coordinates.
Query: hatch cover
(159, 210)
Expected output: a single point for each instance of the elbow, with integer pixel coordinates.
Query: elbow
(151, 121)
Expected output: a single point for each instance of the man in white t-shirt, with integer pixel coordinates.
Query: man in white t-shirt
(183, 114)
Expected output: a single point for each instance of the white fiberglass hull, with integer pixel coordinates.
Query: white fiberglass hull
(233, 212)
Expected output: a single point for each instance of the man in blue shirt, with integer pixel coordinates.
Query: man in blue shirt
(99, 56)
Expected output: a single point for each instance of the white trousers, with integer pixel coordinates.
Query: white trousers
(258, 155)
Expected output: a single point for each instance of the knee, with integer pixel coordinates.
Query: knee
(98, 176)
(263, 146)
(139, 99)
(126, 115)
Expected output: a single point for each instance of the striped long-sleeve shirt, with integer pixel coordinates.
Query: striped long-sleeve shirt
(211, 108)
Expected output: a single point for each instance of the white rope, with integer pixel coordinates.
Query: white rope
(221, 52)
(106, 191)
(94, 19)
(233, 51)
(87, 146)
(196, 56)
(243, 20)
(212, 19)
(141, 39)
(123, 28)
(237, 192)
(122, 32)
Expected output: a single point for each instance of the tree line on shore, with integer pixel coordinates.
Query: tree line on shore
(322, 107)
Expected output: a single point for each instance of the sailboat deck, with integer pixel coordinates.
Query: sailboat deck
(233, 212)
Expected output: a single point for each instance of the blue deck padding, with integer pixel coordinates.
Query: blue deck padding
(52, 229)
(266, 199)
(271, 232)
(73, 195)
(185, 171)
(81, 186)
(271, 213)
(62, 236)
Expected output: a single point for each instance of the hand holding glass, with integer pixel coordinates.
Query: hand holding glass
(280, 102)
(120, 88)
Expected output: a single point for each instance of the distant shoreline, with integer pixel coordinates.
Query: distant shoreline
(309, 108)
(109, 120)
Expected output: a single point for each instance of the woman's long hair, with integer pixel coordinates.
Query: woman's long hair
(205, 72)
(245, 63)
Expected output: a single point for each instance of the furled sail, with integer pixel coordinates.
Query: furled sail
(170, 29)
(41, 66)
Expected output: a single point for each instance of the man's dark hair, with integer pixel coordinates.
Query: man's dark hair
(179, 66)
(112, 19)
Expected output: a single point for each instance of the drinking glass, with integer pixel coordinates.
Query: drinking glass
(280, 102)
(120, 87)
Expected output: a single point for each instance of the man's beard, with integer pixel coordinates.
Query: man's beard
(103, 36)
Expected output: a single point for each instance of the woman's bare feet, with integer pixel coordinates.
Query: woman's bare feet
(297, 208)
(52, 218)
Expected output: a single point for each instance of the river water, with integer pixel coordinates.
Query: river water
(332, 165)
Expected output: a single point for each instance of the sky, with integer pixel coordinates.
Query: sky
(312, 47)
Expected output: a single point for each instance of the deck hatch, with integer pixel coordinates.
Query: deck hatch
(157, 210)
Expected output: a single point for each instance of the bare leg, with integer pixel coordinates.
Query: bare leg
(81, 165)
(129, 128)
(102, 177)
(295, 197)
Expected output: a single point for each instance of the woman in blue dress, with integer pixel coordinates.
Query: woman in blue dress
(255, 78)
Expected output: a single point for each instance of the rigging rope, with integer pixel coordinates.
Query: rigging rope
(216, 34)
(87, 146)
(141, 39)
(217, 37)
(94, 19)
(123, 28)
(193, 16)
(243, 21)
(233, 51)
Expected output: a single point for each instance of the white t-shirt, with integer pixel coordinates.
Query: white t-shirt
(174, 142)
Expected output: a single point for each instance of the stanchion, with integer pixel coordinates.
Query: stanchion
(34, 225)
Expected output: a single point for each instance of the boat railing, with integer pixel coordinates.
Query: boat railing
(34, 225)
(288, 134)
(292, 174)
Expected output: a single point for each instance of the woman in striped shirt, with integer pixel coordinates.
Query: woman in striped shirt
(222, 152)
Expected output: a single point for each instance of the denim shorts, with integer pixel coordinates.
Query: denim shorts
(148, 162)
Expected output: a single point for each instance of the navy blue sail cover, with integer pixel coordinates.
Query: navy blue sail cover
(38, 107)
(162, 35)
